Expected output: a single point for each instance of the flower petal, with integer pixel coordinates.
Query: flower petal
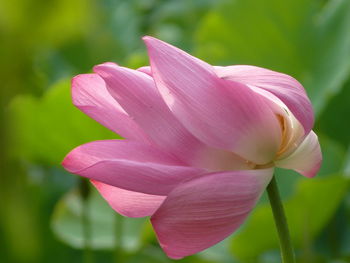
(292, 130)
(285, 87)
(90, 95)
(129, 165)
(306, 159)
(146, 69)
(129, 203)
(203, 211)
(222, 113)
(138, 95)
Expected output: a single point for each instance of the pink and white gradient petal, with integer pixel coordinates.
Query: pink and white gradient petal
(129, 165)
(306, 159)
(90, 95)
(129, 203)
(203, 211)
(222, 113)
(285, 87)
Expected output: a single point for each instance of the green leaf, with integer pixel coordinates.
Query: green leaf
(333, 119)
(333, 155)
(46, 129)
(37, 22)
(219, 252)
(308, 210)
(67, 223)
(305, 39)
(347, 164)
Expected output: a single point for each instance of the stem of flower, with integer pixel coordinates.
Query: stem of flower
(287, 251)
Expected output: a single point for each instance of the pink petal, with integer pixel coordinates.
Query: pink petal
(90, 95)
(292, 130)
(146, 69)
(137, 94)
(286, 88)
(128, 203)
(222, 113)
(203, 211)
(129, 165)
(306, 159)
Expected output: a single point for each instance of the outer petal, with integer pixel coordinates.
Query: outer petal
(203, 211)
(286, 88)
(90, 95)
(306, 159)
(129, 203)
(129, 165)
(223, 114)
(138, 95)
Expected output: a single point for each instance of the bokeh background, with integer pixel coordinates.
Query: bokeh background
(48, 215)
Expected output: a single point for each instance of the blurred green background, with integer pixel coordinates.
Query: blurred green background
(48, 215)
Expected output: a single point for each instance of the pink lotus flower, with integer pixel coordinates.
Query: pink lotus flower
(201, 142)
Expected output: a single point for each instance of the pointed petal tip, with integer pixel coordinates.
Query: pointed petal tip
(79, 79)
(145, 38)
(112, 64)
(98, 67)
(72, 164)
(155, 43)
(64, 162)
(148, 39)
(67, 163)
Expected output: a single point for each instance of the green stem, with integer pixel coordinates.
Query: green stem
(287, 251)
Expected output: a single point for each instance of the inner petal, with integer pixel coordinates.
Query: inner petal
(292, 130)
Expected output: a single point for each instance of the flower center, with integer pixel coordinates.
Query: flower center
(292, 134)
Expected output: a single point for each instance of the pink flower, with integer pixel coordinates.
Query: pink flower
(201, 142)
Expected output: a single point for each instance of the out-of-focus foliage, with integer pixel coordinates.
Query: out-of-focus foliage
(44, 43)
(336, 127)
(60, 125)
(305, 221)
(68, 224)
(308, 39)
